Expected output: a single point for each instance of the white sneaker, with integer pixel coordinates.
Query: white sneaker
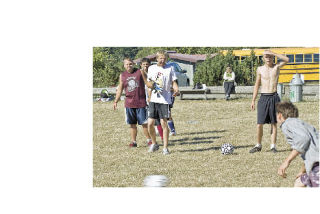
(172, 133)
(153, 147)
(165, 151)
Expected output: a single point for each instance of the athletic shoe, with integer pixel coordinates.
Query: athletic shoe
(172, 133)
(274, 150)
(165, 151)
(153, 147)
(149, 142)
(255, 149)
(133, 144)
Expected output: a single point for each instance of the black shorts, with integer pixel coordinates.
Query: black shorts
(159, 111)
(267, 108)
(157, 121)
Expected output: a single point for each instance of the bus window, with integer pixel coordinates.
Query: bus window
(279, 60)
(315, 57)
(291, 58)
(236, 58)
(243, 58)
(308, 58)
(299, 57)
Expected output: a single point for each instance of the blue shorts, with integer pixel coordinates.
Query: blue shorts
(136, 115)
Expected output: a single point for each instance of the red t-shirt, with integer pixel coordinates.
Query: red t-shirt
(134, 88)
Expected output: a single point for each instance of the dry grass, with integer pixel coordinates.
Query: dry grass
(195, 159)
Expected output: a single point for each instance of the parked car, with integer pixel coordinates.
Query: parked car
(183, 79)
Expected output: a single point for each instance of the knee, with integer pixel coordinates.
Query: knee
(133, 126)
(298, 183)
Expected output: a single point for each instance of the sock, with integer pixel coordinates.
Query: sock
(171, 126)
(272, 146)
(258, 145)
(159, 127)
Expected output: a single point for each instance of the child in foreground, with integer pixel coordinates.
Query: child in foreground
(304, 140)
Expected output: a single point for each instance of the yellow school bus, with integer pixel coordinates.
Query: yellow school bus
(301, 60)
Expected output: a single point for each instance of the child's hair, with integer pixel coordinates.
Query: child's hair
(128, 59)
(162, 53)
(145, 60)
(287, 109)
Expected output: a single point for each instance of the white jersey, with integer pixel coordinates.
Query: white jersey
(163, 77)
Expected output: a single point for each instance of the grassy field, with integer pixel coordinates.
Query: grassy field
(195, 159)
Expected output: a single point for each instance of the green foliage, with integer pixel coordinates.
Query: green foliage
(108, 64)
(210, 71)
(106, 69)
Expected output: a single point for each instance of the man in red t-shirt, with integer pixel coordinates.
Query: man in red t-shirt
(135, 102)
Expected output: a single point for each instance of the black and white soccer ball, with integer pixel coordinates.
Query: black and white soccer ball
(227, 149)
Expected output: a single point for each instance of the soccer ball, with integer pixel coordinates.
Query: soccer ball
(227, 149)
(156, 181)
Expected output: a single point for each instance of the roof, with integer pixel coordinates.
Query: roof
(185, 57)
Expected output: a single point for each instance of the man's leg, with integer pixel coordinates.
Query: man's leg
(273, 137)
(145, 131)
(298, 183)
(151, 130)
(258, 146)
(133, 133)
(165, 128)
(259, 133)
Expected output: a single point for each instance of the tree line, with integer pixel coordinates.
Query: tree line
(108, 64)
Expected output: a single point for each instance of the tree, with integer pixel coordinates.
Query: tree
(106, 69)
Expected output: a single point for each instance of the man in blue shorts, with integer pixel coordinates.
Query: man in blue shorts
(135, 103)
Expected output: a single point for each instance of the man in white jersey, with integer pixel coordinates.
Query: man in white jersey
(161, 78)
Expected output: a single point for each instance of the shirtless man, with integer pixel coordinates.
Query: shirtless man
(267, 77)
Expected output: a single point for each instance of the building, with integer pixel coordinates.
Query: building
(187, 62)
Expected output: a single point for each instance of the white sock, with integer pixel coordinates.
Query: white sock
(258, 145)
(272, 146)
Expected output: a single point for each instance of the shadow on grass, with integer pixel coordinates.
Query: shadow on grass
(201, 150)
(214, 148)
(197, 140)
(204, 132)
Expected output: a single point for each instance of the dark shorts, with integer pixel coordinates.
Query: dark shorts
(136, 115)
(311, 180)
(159, 111)
(157, 121)
(267, 108)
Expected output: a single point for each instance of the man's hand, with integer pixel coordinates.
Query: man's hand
(144, 70)
(176, 93)
(252, 105)
(268, 52)
(114, 105)
(282, 169)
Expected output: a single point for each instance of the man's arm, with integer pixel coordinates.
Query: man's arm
(256, 89)
(282, 169)
(149, 94)
(118, 94)
(284, 58)
(149, 84)
(175, 88)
